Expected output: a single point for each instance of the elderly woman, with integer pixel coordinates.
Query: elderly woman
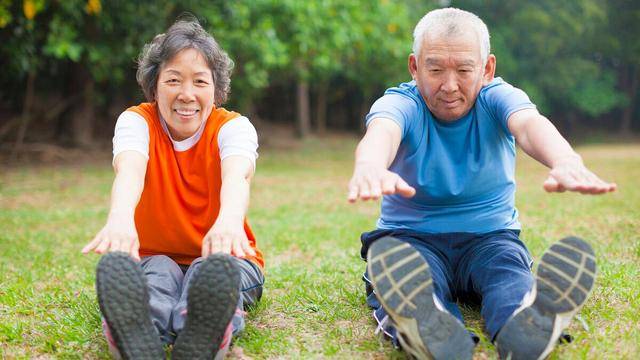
(181, 261)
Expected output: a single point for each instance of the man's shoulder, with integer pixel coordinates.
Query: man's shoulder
(496, 85)
(408, 89)
(406, 96)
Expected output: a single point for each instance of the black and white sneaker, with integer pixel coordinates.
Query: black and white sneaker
(564, 279)
(211, 302)
(402, 282)
(124, 303)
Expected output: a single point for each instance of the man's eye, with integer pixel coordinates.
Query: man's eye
(170, 81)
(203, 82)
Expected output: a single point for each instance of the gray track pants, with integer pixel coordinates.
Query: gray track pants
(168, 285)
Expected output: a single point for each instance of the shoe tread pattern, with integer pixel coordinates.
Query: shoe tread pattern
(402, 281)
(211, 302)
(124, 303)
(564, 280)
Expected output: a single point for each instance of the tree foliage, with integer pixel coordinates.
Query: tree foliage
(578, 60)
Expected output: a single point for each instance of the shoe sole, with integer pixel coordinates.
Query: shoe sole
(124, 303)
(402, 281)
(211, 302)
(564, 280)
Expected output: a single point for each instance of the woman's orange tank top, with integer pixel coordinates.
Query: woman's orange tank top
(181, 196)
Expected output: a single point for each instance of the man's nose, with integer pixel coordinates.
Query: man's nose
(450, 82)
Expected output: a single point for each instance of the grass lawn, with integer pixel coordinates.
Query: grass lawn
(313, 304)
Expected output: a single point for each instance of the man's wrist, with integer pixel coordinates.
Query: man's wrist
(574, 158)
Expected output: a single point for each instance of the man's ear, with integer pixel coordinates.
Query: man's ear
(413, 66)
(489, 70)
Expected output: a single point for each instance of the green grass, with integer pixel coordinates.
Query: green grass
(313, 304)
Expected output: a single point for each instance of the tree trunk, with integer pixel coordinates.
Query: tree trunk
(26, 114)
(629, 111)
(571, 119)
(365, 106)
(304, 116)
(84, 116)
(321, 109)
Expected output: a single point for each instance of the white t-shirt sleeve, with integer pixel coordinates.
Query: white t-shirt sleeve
(238, 137)
(131, 133)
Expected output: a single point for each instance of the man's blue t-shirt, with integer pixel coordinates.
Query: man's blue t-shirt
(463, 171)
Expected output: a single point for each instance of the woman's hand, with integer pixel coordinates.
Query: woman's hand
(227, 236)
(119, 234)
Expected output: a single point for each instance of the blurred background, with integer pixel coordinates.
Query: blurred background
(68, 66)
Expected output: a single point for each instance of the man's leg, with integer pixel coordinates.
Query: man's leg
(564, 280)
(412, 283)
(124, 303)
(207, 316)
(497, 267)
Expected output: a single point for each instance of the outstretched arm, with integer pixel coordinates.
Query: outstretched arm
(537, 136)
(374, 154)
(119, 233)
(227, 234)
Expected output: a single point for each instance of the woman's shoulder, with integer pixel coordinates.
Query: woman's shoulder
(148, 111)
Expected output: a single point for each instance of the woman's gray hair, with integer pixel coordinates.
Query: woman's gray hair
(184, 34)
(451, 22)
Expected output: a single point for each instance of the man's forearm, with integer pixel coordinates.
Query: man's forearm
(378, 147)
(543, 142)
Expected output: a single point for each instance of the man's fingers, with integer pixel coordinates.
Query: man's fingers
(353, 192)
(364, 192)
(405, 189)
(550, 184)
(389, 184)
(374, 187)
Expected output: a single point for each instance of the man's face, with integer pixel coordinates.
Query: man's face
(449, 73)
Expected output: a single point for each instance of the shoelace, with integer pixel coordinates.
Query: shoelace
(382, 324)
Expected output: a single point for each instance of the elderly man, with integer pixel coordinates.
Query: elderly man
(441, 149)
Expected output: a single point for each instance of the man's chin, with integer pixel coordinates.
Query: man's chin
(448, 117)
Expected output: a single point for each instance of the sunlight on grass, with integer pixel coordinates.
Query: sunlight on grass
(313, 305)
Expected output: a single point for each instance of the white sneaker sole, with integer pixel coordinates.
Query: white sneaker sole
(564, 280)
(402, 282)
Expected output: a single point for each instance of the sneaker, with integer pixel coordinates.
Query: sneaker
(124, 303)
(564, 279)
(211, 303)
(402, 282)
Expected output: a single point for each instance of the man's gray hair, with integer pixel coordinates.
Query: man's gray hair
(451, 22)
(184, 34)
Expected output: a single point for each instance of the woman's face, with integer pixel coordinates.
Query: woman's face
(185, 93)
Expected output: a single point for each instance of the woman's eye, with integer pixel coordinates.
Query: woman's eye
(170, 81)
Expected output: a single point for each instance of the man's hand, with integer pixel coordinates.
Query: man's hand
(227, 236)
(572, 175)
(371, 182)
(119, 234)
